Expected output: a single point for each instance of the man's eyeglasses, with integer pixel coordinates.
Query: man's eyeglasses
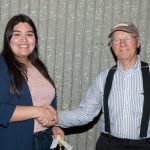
(127, 40)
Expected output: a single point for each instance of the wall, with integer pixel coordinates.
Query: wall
(74, 45)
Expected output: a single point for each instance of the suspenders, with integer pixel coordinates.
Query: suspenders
(107, 89)
(146, 105)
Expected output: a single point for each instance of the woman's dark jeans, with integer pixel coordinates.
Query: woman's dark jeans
(42, 140)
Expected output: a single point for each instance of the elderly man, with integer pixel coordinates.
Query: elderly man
(122, 93)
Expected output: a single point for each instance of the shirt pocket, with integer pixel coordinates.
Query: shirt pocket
(137, 104)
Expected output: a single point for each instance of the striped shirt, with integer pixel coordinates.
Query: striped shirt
(125, 104)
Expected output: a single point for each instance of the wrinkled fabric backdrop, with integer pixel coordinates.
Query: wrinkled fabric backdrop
(73, 44)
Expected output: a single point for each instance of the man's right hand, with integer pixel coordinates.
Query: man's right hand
(47, 116)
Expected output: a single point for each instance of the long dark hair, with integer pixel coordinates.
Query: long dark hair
(17, 70)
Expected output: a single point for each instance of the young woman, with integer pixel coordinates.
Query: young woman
(27, 91)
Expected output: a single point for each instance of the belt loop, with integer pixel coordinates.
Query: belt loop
(143, 140)
(110, 137)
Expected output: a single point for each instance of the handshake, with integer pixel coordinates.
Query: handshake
(46, 115)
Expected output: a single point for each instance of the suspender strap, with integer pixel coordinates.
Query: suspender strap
(146, 105)
(107, 89)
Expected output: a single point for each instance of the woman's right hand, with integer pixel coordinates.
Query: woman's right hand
(47, 116)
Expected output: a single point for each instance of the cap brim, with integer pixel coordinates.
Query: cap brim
(122, 29)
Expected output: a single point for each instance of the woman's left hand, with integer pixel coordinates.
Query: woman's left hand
(56, 131)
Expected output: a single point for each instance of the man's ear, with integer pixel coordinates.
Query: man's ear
(139, 42)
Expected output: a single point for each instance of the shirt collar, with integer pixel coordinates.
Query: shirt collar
(137, 65)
